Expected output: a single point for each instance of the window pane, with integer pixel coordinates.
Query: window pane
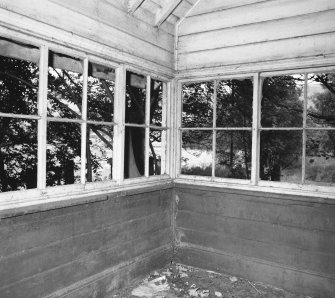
(233, 154)
(196, 154)
(156, 102)
(63, 153)
(134, 152)
(320, 157)
(155, 152)
(234, 103)
(198, 105)
(321, 100)
(99, 153)
(100, 94)
(18, 154)
(282, 101)
(135, 98)
(65, 86)
(280, 156)
(18, 86)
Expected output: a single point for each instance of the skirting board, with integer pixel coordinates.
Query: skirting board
(291, 279)
(104, 283)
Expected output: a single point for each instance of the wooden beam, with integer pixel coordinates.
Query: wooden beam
(165, 11)
(133, 5)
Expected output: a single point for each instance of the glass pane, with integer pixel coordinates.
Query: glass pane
(321, 100)
(99, 153)
(155, 152)
(233, 154)
(18, 86)
(196, 153)
(156, 102)
(100, 93)
(134, 155)
(65, 86)
(320, 157)
(198, 105)
(63, 153)
(18, 154)
(234, 103)
(282, 101)
(135, 98)
(280, 156)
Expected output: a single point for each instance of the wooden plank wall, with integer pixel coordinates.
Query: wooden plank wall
(254, 32)
(282, 240)
(86, 250)
(103, 23)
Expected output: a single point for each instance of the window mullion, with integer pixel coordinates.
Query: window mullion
(84, 124)
(42, 122)
(256, 116)
(214, 128)
(147, 128)
(304, 134)
(119, 128)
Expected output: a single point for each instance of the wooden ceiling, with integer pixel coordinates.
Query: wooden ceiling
(165, 11)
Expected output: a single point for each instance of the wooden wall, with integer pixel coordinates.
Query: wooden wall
(282, 240)
(86, 250)
(256, 32)
(97, 26)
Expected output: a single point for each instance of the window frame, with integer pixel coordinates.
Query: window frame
(42, 193)
(255, 183)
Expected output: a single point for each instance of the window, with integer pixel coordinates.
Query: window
(285, 136)
(145, 132)
(58, 120)
(216, 128)
(297, 129)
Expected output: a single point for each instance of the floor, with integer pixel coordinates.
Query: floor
(182, 281)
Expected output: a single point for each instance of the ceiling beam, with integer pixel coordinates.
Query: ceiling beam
(133, 5)
(165, 11)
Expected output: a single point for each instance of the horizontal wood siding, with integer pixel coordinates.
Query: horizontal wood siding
(97, 21)
(289, 237)
(48, 251)
(256, 32)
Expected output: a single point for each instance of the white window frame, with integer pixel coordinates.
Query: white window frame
(43, 194)
(254, 184)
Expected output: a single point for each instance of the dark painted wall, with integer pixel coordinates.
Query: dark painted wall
(96, 246)
(283, 240)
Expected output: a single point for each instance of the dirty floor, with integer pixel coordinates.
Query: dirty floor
(182, 281)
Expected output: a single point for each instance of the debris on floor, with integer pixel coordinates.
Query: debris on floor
(183, 281)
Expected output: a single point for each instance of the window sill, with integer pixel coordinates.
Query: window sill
(18, 203)
(310, 193)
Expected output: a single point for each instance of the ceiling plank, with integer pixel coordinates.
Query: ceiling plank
(133, 5)
(165, 11)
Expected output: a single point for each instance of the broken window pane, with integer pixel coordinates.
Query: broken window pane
(156, 102)
(321, 100)
(18, 85)
(134, 155)
(234, 103)
(100, 93)
(196, 153)
(18, 154)
(99, 153)
(282, 101)
(155, 151)
(63, 153)
(65, 86)
(320, 157)
(233, 154)
(280, 156)
(135, 98)
(198, 104)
